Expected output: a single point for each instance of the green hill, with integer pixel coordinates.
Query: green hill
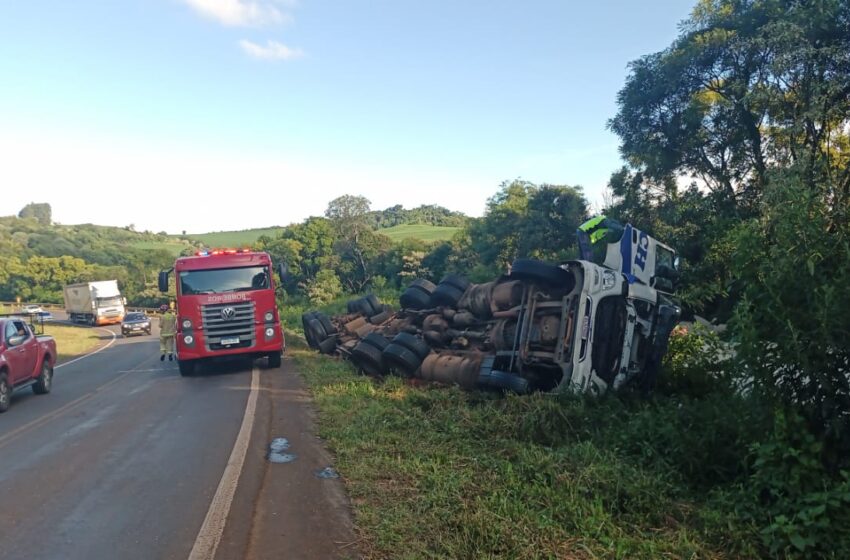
(419, 231)
(249, 236)
(233, 238)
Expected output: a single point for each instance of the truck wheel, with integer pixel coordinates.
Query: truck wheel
(5, 393)
(274, 360)
(457, 281)
(415, 298)
(314, 332)
(45, 381)
(423, 286)
(325, 322)
(187, 367)
(401, 359)
(413, 343)
(379, 341)
(368, 358)
(328, 345)
(447, 295)
(374, 303)
(538, 271)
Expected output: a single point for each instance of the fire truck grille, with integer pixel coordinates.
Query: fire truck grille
(226, 330)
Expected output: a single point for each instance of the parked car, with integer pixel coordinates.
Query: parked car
(45, 316)
(33, 309)
(135, 323)
(26, 360)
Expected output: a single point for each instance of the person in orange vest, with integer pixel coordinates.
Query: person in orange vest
(167, 331)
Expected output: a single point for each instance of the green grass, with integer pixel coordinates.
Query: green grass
(173, 247)
(419, 231)
(234, 238)
(73, 341)
(434, 472)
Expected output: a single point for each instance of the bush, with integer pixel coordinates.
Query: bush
(802, 511)
(324, 288)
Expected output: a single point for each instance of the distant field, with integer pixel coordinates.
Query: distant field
(249, 236)
(419, 231)
(233, 238)
(173, 247)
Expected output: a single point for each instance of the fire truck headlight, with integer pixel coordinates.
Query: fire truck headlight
(269, 316)
(187, 323)
(269, 332)
(188, 339)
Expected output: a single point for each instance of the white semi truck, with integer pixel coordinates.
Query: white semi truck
(94, 303)
(586, 326)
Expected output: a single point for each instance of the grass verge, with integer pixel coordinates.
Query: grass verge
(72, 341)
(434, 472)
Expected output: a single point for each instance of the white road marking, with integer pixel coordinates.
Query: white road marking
(212, 529)
(101, 349)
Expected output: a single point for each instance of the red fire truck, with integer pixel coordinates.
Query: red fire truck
(226, 306)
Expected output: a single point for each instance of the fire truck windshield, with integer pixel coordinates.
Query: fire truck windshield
(222, 280)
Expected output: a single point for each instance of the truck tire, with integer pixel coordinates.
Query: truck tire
(457, 281)
(401, 359)
(375, 304)
(423, 286)
(44, 382)
(379, 341)
(503, 380)
(187, 367)
(274, 360)
(328, 345)
(5, 392)
(413, 343)
(326, 323)
(446, 295)
(415, 298)
(314, 332)
(368, 358)
(537, 271)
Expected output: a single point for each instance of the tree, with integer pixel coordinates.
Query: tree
(526, 220)
(749, 85)
(40, 211)
(356, 244)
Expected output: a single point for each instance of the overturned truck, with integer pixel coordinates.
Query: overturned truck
(587, 325)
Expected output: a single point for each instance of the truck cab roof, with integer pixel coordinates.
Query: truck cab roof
(204, 260)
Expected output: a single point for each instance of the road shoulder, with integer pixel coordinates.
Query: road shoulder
(296, 512)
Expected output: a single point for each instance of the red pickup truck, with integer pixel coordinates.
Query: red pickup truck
(26, 360)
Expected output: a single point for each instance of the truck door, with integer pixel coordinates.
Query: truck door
(22, 356)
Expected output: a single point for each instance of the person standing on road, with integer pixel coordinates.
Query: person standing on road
(167, 331)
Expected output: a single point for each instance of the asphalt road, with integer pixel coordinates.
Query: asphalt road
(126, 459)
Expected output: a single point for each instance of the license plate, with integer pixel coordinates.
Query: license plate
(137, 328)
(229, 341)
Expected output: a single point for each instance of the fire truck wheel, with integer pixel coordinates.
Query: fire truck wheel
(368, 358)
(414, 298)
(379, 341)
(446, 295)
(274, 360)
(457, 281)
(187, 367)
(538, 271)
(328, 345)
(413, 343)
(401, 359)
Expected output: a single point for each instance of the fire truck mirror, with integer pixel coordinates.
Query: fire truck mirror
(163, 281)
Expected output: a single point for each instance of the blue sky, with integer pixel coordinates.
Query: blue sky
(258, 112)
